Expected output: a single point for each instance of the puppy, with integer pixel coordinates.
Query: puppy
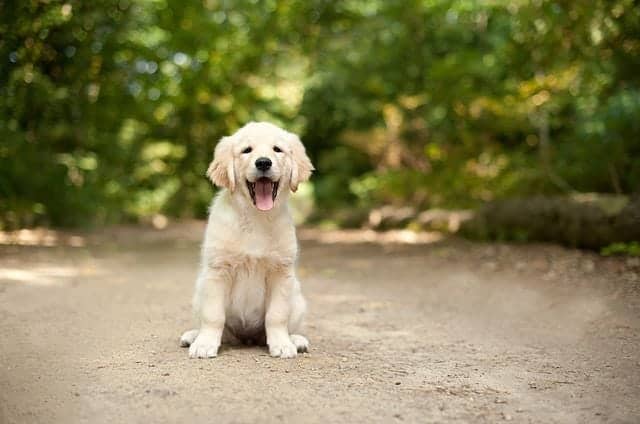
(247, 290)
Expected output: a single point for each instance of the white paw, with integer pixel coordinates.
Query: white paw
(204, 346)
(301, 342)
(284, 350)
(188, 337)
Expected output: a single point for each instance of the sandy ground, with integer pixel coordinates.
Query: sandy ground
(435, 331)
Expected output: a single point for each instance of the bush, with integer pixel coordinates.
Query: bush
(585, 222)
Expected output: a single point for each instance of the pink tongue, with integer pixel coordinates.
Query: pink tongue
(264, 201)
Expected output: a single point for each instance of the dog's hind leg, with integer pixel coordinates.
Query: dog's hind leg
(188, 337)
(301, 342)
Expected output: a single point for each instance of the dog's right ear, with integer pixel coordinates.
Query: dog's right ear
(221, 170)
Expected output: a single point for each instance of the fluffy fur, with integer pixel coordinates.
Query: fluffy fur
(247, 290)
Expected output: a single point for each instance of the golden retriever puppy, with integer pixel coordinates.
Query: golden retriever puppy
(247, 290)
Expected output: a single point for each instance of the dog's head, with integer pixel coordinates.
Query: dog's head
(259, 161)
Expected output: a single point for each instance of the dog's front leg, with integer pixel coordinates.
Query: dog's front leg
(212, 290)
(279, 291)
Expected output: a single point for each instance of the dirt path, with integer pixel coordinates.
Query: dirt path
(444, 331)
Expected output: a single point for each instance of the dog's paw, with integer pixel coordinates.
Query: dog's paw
(188, 337)
(301, 342)
(285, 349)
(204, 346)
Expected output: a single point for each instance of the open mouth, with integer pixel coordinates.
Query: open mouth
(263, 193)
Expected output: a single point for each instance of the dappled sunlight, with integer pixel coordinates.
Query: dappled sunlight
(463, 119)
(353, 236)
(40, 237)
(43, 275)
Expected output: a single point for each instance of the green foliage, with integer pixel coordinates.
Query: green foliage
(110, 109)
(630, 249)
(461, 102)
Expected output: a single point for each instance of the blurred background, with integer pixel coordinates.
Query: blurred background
(513, 119)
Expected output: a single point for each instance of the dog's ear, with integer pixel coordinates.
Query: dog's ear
(301, 166)
(221, 170)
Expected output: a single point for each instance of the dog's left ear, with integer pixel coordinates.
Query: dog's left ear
(221, 170)
(301, 166)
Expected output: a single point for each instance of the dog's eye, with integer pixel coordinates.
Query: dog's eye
(247, 150)
(277, 149)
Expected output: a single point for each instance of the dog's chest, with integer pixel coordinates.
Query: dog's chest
(246, 306)
(263, 245)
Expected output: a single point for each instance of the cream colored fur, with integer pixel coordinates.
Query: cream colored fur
(247, 284)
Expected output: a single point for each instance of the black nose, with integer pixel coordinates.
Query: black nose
(263, 163)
